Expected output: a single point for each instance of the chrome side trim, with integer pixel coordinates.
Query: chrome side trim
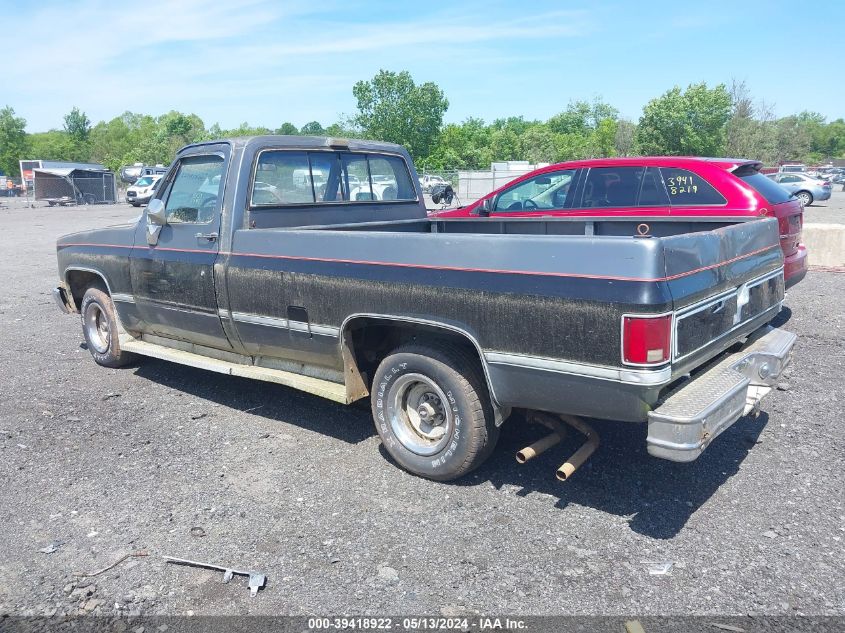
(655, 377)
(323, 330)
(123, 298)
(257, 319)
(281, 323)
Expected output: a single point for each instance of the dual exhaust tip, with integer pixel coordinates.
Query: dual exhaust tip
(558, 431)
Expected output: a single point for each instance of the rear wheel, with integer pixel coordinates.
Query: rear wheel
(432, 411)
(100, 328)
(805, 197)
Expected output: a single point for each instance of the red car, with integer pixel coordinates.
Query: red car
(651, 186)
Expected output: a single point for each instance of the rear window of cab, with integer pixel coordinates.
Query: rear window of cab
(296, 177)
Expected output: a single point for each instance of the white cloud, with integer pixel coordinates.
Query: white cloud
(224, 61)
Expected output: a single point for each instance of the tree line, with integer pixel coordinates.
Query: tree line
(697, 120)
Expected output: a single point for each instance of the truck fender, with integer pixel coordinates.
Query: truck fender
(417, 324)
(78, 278)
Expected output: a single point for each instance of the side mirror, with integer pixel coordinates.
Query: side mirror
(485, 207)
(156, 219)
(156, 213)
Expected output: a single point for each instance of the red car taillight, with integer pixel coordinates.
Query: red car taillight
(646, 340)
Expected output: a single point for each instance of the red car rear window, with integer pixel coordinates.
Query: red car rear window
(766, 187)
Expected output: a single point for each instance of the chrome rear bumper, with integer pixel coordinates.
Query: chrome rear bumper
(685, 423)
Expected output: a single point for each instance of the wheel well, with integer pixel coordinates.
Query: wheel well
(370, 339)
(78, 281)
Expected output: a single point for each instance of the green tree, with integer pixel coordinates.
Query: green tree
(541, 145)
(77, 125)
(54, 145)
(287, 128)
(603, 138)
(312, 128)
(112, 141)
(504, 144)
(13, 141)
(245, 129)
(691, 122)
(391, 107)
(623, 141)
(791, 140)
(582, 117)
(341, 129)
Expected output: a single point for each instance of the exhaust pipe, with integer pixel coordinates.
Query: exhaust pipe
(544, 443)
(582, 454)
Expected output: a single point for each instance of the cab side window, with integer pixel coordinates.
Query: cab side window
(546, 191)
(687, 189)
(194, 194)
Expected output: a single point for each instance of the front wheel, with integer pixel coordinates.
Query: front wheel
(805, 197)
(433, 412)
(100, 328)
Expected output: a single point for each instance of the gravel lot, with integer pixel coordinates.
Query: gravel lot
(829, 211)
(107, 462)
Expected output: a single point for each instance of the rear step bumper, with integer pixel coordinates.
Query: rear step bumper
(695, 413)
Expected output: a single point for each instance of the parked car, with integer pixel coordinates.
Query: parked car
(142, 191)
(793, 167)
(805, 188)
(445, 324)
(656, 186)
(130, 173)
(429, 182)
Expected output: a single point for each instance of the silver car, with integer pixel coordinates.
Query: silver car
(803, 187)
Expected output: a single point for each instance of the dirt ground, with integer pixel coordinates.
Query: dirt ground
(99, 463)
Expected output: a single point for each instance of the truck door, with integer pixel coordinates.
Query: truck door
(173, 279)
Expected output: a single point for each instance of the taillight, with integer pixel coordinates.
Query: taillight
(646, 340)
(826, 183)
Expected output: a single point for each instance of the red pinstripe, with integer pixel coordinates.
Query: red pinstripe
(450, 268)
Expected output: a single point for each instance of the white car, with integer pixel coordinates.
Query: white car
(142, 191)
(381, 191)
(429, 182)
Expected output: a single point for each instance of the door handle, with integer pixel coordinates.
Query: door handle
(211, 237)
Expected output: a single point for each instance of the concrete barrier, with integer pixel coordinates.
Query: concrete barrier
(825, 243)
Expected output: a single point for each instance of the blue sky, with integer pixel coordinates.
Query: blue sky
(267, 62)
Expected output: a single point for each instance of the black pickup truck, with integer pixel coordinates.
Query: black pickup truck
(311, 262)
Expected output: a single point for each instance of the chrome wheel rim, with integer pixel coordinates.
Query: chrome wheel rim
(804, 198)
(97, 328)
(419, 414)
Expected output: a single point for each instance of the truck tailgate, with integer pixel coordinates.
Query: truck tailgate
(721, 282)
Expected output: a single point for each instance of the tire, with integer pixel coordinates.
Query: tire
(805, 197)
(100, 329)
(445, 385)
